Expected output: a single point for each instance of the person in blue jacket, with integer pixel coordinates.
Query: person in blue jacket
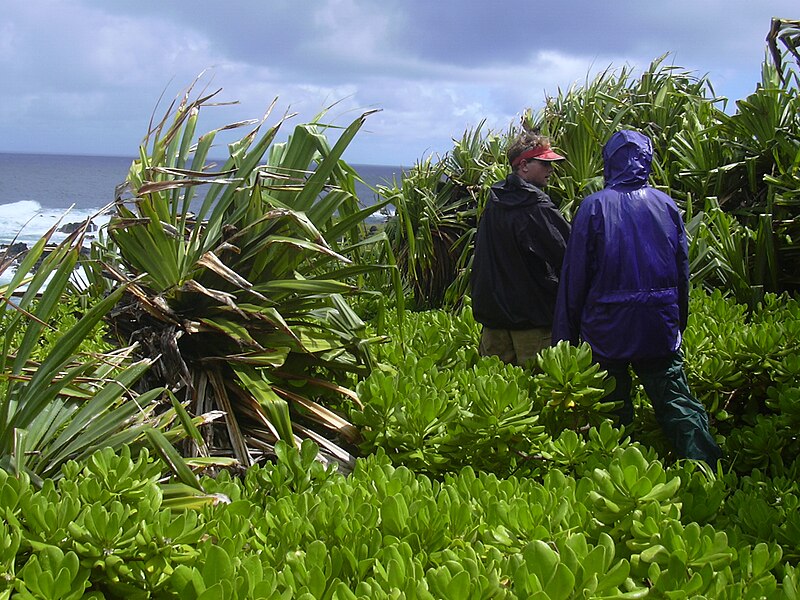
(519, 246)
(624, 290)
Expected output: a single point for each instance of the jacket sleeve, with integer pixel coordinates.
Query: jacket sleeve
(543, 234)
(575, 280)
(682, 258)
(553, 236)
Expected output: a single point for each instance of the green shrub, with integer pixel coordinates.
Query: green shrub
(298, 529)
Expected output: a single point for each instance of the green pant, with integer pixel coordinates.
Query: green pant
(681, 416)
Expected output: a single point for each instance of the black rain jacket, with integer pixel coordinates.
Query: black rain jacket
(519, 248)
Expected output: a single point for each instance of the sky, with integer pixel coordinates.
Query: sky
(86, 76)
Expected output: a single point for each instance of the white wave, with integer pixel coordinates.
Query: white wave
(78, 279)
(28, 221)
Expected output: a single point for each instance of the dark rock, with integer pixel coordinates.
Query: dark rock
(16, 248)
(71, 227)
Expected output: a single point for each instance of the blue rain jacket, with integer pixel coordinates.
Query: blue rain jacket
(624, 282)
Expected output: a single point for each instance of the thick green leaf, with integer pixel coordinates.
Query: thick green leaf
(173, 459)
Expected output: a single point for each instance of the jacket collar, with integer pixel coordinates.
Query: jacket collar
(516, 191)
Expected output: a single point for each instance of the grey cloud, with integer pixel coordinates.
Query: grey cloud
(91, 71)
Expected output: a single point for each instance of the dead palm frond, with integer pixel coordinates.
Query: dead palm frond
(788, 33)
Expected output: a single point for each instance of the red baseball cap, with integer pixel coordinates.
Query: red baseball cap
(539, 153)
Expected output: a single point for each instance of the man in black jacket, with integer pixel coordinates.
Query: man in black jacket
(519, 248)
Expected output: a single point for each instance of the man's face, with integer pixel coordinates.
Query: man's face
(536, 172)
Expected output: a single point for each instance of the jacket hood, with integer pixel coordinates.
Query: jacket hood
(627, 158)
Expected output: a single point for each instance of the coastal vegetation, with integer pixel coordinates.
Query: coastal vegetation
(240, 403)
(733, 172)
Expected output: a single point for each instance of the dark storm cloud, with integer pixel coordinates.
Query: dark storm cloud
(483, 33)
(85, 75)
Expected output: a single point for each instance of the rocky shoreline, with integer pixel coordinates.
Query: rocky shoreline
(11, 255)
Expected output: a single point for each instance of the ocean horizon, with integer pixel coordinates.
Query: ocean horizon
(39, 190)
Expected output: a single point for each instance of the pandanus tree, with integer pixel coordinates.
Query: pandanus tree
(424, 231)
(662, 102)
(741, 170)
(437, 203)
(240, 295)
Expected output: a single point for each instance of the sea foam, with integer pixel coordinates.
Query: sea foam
(27, 221)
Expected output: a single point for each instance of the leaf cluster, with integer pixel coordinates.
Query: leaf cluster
(63, 392)
(436, 405)
(744, 367)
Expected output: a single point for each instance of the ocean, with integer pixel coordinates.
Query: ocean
(36, 190)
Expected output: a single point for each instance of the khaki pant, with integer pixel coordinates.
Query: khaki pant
(516, 347)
